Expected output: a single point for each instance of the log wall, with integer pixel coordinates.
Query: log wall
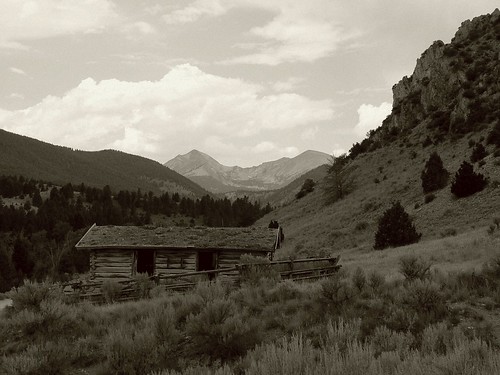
(111, 264)
(171, 262)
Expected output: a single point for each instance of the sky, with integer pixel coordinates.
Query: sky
(245, 81)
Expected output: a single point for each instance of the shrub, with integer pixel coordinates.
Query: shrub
(424, 296)
(220, 332)
(385, 340)
(467, 182)
(413, 267)
(494, 135)
(130, 351)
(434, 176)
(335, 293)
(478, 153)
(32, 294)
(143, 285)
(448, 232)
(339, 181)
(376, 281)
(362, 225)
(342, 334)
(111, 290)
(439, 339)
(427, 142)
(395, 228)
(429, 198)
(48, 358)
(359, 279)
(254, 269)
(307, 187)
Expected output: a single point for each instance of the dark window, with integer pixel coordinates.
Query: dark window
(207, 261)
(146, 261)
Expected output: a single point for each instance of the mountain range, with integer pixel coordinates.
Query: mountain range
(217, 178)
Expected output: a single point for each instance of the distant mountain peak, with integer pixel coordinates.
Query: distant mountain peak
(271, 175)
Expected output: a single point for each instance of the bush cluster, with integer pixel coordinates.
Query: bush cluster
(434, 176)
(395, 228)
(467, 182)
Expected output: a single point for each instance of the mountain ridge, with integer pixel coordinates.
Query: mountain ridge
(29, 157)
(271, 175)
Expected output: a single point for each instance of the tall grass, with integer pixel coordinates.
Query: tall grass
(348, 324)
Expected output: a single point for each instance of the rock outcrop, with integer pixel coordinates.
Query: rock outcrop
(454, 86)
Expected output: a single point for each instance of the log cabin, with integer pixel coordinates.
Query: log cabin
(121, 252)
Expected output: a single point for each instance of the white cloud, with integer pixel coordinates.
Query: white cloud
(17, 71)
(185, 109)
(289, 85)
(21, 21)
(139, 28)
(299, 32)
(371, 117)
(17, 96)
(264, 146)
(310, 133)
(196, 10)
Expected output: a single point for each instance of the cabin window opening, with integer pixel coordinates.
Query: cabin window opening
(207, 261)
(146, 261)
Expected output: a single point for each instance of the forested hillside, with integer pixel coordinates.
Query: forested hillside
(41, 222)
(31, 158)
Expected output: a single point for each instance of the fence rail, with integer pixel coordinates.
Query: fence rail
(297, 270)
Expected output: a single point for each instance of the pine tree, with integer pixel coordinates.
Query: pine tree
(37, 198)
(395, 228)
(434, 176)
(7, 271)
(467, 182)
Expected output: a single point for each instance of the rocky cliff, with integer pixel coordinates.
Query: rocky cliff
(454, 89)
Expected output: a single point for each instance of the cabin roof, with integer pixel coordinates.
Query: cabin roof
(112, 237)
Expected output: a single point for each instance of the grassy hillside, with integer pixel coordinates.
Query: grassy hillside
(388, 174)
(39, 160)
(450, 116)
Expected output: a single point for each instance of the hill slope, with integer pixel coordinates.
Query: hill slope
(426, 117)
(31, 158)
(218, 178)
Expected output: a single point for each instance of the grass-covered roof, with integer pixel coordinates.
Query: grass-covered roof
(249, 239)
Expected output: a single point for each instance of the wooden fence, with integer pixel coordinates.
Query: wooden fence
(135, 288)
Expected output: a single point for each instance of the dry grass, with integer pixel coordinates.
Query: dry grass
(468, 251)
(349, 225)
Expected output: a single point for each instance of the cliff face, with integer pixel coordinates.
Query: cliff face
(457, 83)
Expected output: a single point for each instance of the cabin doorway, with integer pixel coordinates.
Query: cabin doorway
(146, 262)
(207, 261)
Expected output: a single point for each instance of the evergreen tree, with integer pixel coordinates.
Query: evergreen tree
(7, 271)
(37, 198)
(21, 256)
(395, 228)
(434, 176)
(467, 182)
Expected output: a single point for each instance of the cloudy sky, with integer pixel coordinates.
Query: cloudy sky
(245, 81)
